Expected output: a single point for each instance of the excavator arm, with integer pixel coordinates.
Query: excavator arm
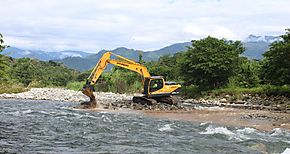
(101, 66)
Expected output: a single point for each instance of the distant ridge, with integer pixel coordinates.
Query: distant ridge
(42, 55)
(88, 62)
(257, 45)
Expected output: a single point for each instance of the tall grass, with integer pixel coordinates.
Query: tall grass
(10, 87)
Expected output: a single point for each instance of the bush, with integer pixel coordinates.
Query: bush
(191, 91)
(36, 84)
(77, 86)
(247, 74)
(276, 90)
(136, 87)
(269, 90)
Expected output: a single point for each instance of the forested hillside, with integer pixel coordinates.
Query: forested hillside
(19, 74)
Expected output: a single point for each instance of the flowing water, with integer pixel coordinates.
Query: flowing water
(28, 126)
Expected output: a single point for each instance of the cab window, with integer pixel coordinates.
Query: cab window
(156, 84)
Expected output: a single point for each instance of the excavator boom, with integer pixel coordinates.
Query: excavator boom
(123, 62)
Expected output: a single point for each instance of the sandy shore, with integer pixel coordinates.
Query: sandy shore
(186, 110)
(261, 120)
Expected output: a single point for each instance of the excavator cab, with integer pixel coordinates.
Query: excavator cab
(153, 84)
(156, 90)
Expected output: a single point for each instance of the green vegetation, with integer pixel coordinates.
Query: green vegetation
(165, 66)
(3, 64)
(247, 74)
(75, 85)
(268, 90)
(34, 73)
(25, 73)
(118, 80)
(209, 66)
(7, 85)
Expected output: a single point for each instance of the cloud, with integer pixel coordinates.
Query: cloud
(93, 25)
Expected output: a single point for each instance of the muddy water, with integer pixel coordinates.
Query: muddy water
(28, 126)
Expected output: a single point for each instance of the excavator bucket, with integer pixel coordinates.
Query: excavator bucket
(88, 90)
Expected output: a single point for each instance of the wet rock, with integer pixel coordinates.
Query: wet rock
(263, 117)
(267, 103)
(260, 148)
(189, 101)
(89, 104)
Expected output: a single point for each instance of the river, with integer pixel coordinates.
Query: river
(30, 126)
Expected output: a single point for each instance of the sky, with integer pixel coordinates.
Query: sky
(93, 25)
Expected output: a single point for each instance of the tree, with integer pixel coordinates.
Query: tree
(140, 57)
(276, 62)
(24, 70)
(209, 62)
(166, 66)
(3, 64)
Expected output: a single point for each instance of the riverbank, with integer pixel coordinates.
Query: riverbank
(247, 101)
(115, 101)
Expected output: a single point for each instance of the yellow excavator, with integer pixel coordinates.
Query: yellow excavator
(155, 89)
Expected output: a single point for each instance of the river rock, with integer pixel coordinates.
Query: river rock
(223, 100)
(260, 147)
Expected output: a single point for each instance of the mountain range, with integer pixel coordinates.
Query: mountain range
(88, 62)
(42, 55)
(257, 45)
(79, 60)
